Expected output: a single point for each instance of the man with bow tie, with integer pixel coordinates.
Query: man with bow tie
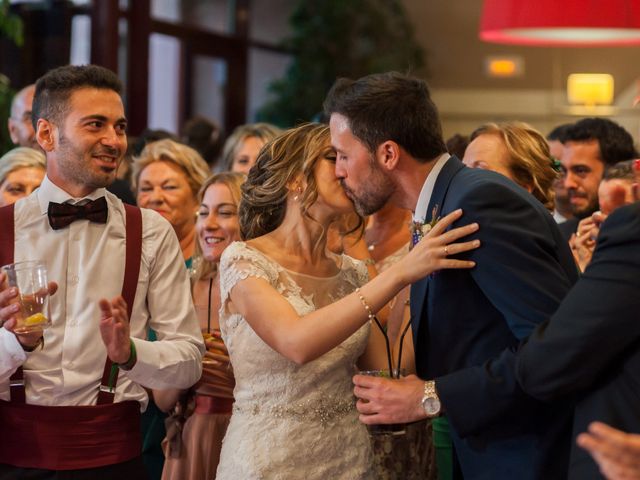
(72, 407)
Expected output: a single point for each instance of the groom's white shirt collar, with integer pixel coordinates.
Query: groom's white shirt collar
(420, 213)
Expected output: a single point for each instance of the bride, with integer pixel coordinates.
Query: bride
(295, 317)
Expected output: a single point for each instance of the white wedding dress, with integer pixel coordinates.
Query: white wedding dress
(293, 422)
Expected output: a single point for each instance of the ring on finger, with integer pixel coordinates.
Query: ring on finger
(446, 250)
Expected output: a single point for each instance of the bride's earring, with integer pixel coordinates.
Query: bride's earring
(298, 193)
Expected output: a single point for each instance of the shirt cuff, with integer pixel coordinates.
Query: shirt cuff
(13, 354)
(162, 365)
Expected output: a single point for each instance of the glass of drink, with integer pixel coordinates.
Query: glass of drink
(30, 278)
(390, 428)
(215, 345)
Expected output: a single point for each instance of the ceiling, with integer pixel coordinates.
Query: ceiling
(467, 97)
(448, 31)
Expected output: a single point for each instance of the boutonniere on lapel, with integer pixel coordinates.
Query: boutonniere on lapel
(420, 229)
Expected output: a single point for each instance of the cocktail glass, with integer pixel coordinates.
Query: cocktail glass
(30, 278)
(391, 428)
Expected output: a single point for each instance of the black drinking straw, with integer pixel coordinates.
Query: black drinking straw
(404, 332)
(386, 340)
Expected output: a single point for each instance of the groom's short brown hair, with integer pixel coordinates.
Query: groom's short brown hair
(389, 106)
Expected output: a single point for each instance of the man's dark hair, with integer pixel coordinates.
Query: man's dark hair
(148, 136)
(559, 132)
(621, 170)
(457, 144)
(616, 144)
(53, 89)
(203, 135)
(389, 106)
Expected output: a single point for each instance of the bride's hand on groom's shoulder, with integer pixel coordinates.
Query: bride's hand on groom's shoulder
(434, 252)
(383, 400)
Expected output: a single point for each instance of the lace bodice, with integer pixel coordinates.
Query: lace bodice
(291, 421)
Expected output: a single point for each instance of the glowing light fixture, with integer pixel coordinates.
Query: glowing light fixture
(561, 22)
(590, 89)
(504, 66)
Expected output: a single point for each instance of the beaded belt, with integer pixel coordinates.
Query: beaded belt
(323, 411)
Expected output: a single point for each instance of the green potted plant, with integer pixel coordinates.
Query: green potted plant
(338, 38)
(11, 27)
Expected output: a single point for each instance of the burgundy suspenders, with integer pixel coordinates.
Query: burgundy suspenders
(16, 382)
(129, 285)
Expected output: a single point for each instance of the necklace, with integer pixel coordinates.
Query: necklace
(372, 243)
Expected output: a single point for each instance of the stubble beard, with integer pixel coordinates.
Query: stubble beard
(584, 212)
(76, 169)
(371, 196)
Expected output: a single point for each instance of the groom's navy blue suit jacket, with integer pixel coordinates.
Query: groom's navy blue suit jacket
(464, 318)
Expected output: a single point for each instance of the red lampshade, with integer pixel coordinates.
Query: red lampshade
(561, 22)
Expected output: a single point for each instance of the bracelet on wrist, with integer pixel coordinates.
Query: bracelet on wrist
(133, 357)
(366, 306)
(128, 365)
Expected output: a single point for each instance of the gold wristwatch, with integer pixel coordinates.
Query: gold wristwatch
(430, 401)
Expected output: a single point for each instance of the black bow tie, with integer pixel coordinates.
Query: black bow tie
(62, 215)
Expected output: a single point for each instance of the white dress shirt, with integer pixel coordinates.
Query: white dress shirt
(87, 261)
(558, 217)
(420, 213)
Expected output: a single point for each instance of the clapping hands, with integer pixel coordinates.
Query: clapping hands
(583, 242)
(114, 329)
(617, 453)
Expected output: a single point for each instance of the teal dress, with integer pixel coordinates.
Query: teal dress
(152, 425)
(153, 432)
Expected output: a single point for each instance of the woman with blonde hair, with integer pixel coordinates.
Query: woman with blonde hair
(243, 145)
(167, 177)
(201, 416)
(296, 317)
(517, 151)
(21, 172)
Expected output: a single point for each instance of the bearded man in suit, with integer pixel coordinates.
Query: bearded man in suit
(387, 135)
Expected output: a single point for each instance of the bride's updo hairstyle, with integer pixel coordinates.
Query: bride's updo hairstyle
(285, 159)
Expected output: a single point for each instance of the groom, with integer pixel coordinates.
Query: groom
(387, 134)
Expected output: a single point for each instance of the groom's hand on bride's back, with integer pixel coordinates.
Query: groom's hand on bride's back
(383, 400)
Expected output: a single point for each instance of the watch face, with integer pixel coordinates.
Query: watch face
(431, 406)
